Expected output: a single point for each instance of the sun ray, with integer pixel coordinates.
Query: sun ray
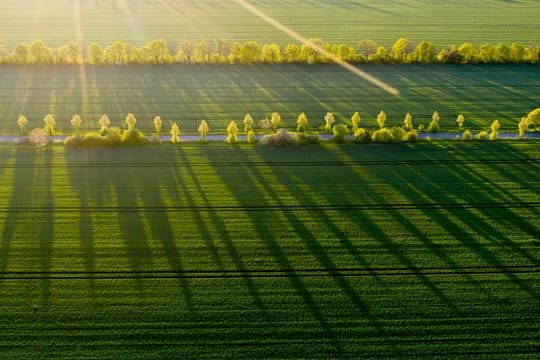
(287, 30)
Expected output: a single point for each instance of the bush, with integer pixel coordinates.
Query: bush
(74, 140)
(340, 133)
(409, 136)
(281, 138)
(421, 128)
(113, 136)
(303, 138)
(383, 135)
(362, 136)
(133, 137)
(434, 127)
(467, 135)
(481, 136)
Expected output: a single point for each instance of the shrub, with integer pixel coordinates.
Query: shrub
(362, 136)
(114, 136)
(467, 135)
(421, 128)
(303, 138)
(495, 126)
(301, 122)
(383, 135)
(38, 137)
(481, 136)
(93, 139)
(340, 133)
(74, 140)
(133, 137)
(281, 138)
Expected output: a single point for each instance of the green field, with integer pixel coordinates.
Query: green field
(343, 21)
(426, 250)
(222, 93)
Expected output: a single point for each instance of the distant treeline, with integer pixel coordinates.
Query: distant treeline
(156, 52)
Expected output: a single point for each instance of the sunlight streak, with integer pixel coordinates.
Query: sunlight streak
(380, 84)
(83, 81)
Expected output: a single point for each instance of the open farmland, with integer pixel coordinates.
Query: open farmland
(343, 21)
(189, 93)
(240, 252)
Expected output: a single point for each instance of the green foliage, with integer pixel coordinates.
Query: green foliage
(533, 118)
(133, 137)
(49, 124)
(434, 124)
(481, 136)
(301, 122)
(22, 121)
(460, 121)
(383, 135)
(248, 123)
(467, 135)
(381, 119)
(407, 122)
(303, 138)
(355, 120)
(340, 133)
(232, 133)
(175, 133)
(361, 136)
(328, 122)
(158, 52)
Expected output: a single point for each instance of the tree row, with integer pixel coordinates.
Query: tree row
(315, 51)
(271, 127)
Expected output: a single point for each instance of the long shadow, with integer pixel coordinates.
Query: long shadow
(180, 193)
(46, 225)
(160, 226)
(84, 179)
(221, 229)
(129, 217)
(236, 179)
(22, 195)
(367, 224)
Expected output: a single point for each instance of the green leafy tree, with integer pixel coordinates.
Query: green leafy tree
(104, 123)
(157, 124)
(366, 48)
(466, 52)
(533, 118)
(424, 53)
(301, 122)
(232, 133)
(460, 121)
(275, 120)
(130, 121)
(292, 53)
(175, 133)
(250, 137)
(522, 127)
(49, 124)
(329, 121)
(248, 123)
(76, 123)
(355, 121)
(203, 130)
(407, 122)
(96, 54)
(22, 121)
(434, 124)
(495, 126)
(381, 119)
(399, 50)
(340, 133)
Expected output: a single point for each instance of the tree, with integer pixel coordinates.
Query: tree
(407, 122)
(355, 121)
(159, 52)
(39, 53)
(38, 137)
(502, 54)
(517, 52)
(250, 137)
(466, 51)
(95, 54)
(380, 56)
(533, 118)
(271, 54)
(329, 120)
(76, 122)
(434, 124)
(22, 121)
(275, 120)
(301, 122)
(130, 121)
(104, 123)
(248, 123)
(175, 133)
(49, 124)
(424, 53)
(381, 119)
(203, 130)
(495, 126)
(157, 125)
(367, 48)
(251, 52)
(460, 121)
(22, 54)
(399, 50)
(232, 133)
(292, 53)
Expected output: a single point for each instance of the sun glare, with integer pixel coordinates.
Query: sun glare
(287, 30)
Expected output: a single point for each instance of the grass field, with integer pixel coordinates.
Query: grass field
(139, 21)
(240, 252)
(221, 93)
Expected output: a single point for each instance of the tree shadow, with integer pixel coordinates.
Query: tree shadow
(220, 227)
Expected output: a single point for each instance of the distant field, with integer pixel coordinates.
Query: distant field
(243, 252)
(221, 93)
(138, 21)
